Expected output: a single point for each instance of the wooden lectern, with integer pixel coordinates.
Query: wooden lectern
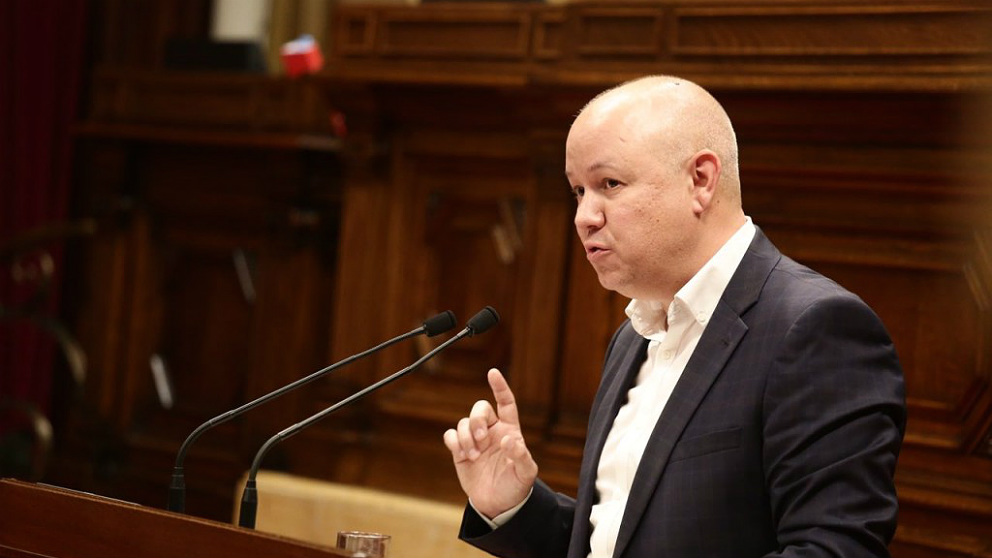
(46, 521)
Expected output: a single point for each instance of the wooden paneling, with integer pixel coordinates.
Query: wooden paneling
(177, 100)
(830, 30)
(620, 32)
(782, 44)
(218, 271)
(452, 34)
(549, 35)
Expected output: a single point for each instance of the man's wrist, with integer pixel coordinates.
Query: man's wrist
(503, 518)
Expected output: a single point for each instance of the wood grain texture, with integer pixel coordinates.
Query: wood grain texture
(48, 521)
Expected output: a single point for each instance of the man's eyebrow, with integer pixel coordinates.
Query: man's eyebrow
(598, 165)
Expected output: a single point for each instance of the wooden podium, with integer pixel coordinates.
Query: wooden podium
(41, 520)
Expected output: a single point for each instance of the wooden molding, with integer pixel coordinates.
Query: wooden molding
(549, 35)
(217, 101)
(604, 32)
(829, 29)
(809, 44)
(455, 34)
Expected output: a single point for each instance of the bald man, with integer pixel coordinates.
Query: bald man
(749, 407)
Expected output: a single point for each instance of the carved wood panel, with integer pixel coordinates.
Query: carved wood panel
(217, 246)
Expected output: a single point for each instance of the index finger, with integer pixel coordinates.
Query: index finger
(506, 404)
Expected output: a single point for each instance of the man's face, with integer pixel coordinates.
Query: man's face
(634, 211)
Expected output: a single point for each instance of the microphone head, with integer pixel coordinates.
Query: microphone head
(481, 322)
(440, 323)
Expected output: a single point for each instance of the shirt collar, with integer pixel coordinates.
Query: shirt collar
(700, 295)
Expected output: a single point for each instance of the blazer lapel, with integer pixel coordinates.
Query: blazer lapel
(618, 379)
(719, 340)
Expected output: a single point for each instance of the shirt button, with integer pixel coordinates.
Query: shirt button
(668, 354)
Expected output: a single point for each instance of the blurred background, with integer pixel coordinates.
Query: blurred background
(186, 223)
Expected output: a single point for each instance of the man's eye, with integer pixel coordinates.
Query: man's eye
(578, 191)
(612, 183)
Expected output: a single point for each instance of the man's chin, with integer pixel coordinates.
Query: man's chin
(614, 284)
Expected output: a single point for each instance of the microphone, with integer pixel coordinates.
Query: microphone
(432, 326)
(480, 323)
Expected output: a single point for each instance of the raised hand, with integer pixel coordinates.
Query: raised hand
(493, 463)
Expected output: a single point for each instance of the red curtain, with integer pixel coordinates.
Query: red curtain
(41, 60)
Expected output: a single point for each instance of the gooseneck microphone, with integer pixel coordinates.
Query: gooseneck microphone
(480, 323)
(434, 325)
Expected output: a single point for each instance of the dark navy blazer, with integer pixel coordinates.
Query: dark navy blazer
(780, 438)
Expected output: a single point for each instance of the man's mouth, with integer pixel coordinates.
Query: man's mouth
(593, 250)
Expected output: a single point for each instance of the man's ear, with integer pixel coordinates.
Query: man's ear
(705, 168)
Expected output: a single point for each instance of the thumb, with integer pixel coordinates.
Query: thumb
(520, 456)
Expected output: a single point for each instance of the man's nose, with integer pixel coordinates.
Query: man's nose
(589, 214)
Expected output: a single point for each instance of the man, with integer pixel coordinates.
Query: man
(749, 407)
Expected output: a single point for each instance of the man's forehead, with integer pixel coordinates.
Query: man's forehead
(595, 151)
(607, 133)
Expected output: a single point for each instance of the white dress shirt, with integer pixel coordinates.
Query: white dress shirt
(673, 334)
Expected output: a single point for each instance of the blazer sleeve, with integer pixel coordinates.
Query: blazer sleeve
(834, 418)
(540, 529)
